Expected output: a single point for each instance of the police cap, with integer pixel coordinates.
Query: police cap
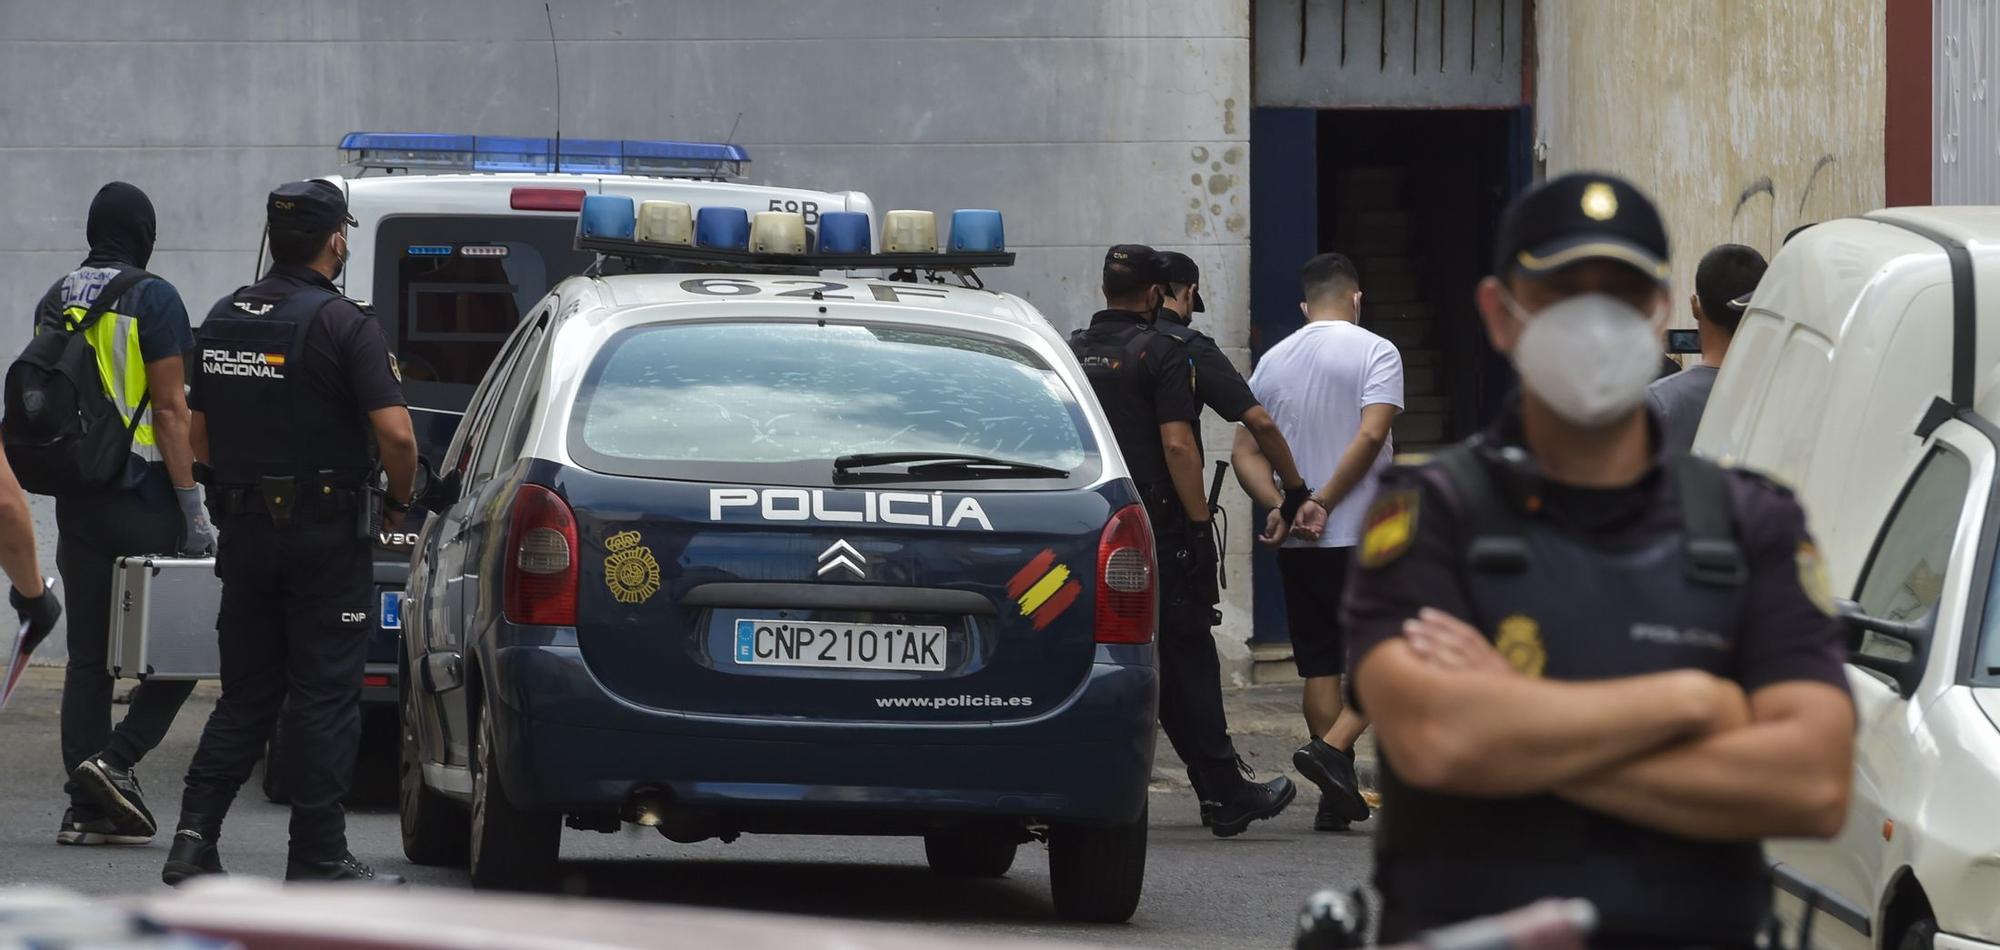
(1178, 268)
(311, 206)
(1135, 262)
(1580, 217)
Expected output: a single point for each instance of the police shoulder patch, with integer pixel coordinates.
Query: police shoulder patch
(1390, 527)
(1812, 578)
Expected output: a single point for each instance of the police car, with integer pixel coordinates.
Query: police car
(726, 546)
(1863, 373)
(458, 237)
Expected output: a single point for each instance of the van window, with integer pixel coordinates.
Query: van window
(1905, 576)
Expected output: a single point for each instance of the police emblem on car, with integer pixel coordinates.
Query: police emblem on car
(630, 570)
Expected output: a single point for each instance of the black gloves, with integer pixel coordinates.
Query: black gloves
(40, 614)
(1295, 498)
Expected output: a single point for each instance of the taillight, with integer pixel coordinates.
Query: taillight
(1127, 579)
(540, 584)
(546, 199)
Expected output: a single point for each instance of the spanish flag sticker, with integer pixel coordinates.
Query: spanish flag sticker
(1391, 527)
(1043, 589)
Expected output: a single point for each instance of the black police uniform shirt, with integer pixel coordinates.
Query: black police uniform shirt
(1217, 384)
(1413, 555)
(346, 358)
(1169, 397)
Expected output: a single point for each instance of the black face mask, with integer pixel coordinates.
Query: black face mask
(121, 227)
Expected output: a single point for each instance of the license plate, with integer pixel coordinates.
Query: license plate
(392, 610)
(839, 645)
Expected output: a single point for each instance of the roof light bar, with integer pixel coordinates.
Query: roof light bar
(435, 151)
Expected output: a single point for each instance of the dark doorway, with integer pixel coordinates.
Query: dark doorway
(1414, 197)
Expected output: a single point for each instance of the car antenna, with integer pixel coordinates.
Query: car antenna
(730, 139)
(556, 58)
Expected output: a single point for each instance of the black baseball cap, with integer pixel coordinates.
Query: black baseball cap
(311, 205)
(1579, 217)
(1138, 260)
(1178, 268)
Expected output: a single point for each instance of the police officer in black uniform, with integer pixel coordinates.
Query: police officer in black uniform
(1144, 380)
(292, 378)
(1596, 668)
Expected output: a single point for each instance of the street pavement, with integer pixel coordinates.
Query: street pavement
(1200, 891)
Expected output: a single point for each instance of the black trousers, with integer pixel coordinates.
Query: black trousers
(294, 636)
(1191, 711)
(92, 532)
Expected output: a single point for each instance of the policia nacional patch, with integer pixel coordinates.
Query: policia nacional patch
(630, 570)
(1390, 528)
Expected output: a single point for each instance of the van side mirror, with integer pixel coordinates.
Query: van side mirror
(1895, 649)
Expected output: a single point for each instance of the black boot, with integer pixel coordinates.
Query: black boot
(1333, 771)
(1252, 801)
(193, 853)
(346, 869)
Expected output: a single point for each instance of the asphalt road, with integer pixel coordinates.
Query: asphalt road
(1200, 891)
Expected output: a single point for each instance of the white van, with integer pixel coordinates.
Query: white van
(1864, 375)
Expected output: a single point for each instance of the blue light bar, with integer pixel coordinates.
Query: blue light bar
(405, 151)
(429, 250)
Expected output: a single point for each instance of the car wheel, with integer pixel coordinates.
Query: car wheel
(1096, 874)
(436, 830)
(1920, 935)
(510, 849)
(970, 852)
(274, 765)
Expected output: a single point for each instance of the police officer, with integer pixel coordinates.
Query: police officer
(291, 379)
(1144, 382)
(1597, 669)
(1220, 387)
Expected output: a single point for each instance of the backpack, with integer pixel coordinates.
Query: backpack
(61, 432)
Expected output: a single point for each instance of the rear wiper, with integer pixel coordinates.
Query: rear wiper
(937, 466)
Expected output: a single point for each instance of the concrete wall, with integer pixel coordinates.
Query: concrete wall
(1088, 123)
(1742, 118)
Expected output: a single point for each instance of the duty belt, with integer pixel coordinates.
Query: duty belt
(305, 501)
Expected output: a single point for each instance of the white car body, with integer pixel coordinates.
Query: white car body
(1842, 382)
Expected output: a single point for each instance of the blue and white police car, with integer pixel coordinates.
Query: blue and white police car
(458, 237)
(727, 546)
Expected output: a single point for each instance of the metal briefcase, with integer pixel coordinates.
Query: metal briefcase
(163, 613)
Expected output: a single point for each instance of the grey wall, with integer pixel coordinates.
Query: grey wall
(1089, 122)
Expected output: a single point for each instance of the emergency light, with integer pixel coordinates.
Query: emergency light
(843, 232)
(606, 216)
(435, 151)
(666, 222)
(778, 232)
(727, 228)
(977, 229)
(909, 232)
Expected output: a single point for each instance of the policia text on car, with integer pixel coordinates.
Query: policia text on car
(1596, 669)
(288, 443)
(1144, 379)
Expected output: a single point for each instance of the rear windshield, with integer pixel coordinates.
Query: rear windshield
(777, 402)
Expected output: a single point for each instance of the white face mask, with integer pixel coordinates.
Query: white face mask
(1588, 358)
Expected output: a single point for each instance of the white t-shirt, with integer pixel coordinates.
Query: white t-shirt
(1314, 384)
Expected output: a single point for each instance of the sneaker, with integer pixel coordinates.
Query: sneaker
(1333, 771)
(89, 828)
(1255, 801)
(1327, 818)
(347, 869)
(193, 854)
(117, 790)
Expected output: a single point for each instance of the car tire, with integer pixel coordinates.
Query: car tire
(436, 830)
(970, 852)
(1921, 935)
(510, 849)
(1096, 874)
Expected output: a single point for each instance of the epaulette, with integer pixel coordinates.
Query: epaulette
(1756, 477)
(1179, 331)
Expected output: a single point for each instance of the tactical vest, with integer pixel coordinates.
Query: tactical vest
(1560, 608)
(121, 365)
(1112, 357)
(262, 419)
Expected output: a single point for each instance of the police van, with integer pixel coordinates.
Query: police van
(732, 542)
(458, 237)
(1866, 374)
